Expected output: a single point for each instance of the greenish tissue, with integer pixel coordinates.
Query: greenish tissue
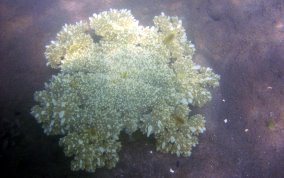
(116, 75)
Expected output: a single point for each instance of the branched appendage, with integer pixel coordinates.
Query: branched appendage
(116, 75)
(169, 38)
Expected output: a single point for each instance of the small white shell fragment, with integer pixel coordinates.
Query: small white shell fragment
(172, 171)
(246, 130)
(225, 121)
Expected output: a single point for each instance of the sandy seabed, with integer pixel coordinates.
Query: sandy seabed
(243, 41)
